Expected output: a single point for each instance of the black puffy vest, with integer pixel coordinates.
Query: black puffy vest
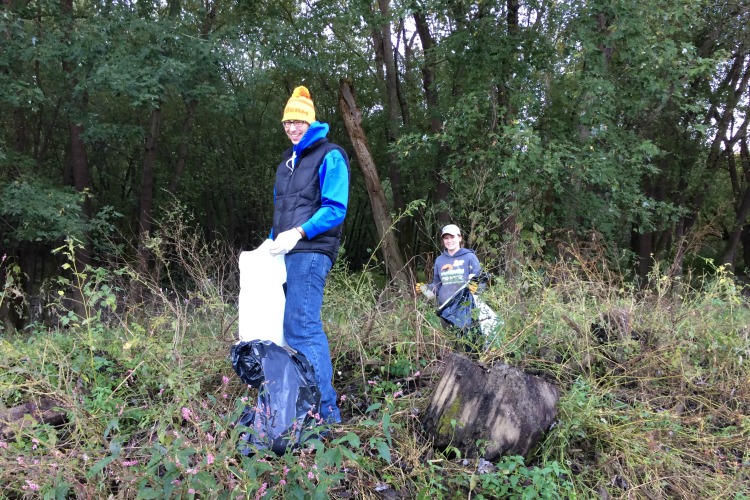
(298, 198)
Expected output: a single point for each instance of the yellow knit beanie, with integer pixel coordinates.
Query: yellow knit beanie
(300, 106)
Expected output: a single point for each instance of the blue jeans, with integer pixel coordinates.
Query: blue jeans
(303, 329)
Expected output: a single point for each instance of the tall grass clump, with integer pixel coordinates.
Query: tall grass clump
(655, 397)
(654, 385)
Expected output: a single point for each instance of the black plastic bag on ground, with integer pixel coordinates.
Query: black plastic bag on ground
(288, 396)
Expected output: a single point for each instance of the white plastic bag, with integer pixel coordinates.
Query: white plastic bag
(262, 300)
(487, 318)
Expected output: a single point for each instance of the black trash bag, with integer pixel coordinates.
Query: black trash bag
(457, 309)
(459, 312)
(288, 396)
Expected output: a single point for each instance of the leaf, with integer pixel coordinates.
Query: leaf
(387, 427)
(473, 480)
(332, 458)
(59, 492)
(351, 455)
(373, 407)
(350, 438)
(99, 466)
(115, 446)
(113, 424)
(384, 451)
(149, 493)
(205, 479)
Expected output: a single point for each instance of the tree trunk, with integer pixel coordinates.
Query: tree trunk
(429, 72)
(730, 250)
(191, 104)
(745, 237)
(79, 169)
(503, 89)
(642, 245)
(82, 183)
(182, 154)
(22, 136)
(79, 161)
(146, 198)
(42, 411)
(394, 262)
(510, 229)
(44, 138)
(743, 209)
(386, 59)
(734, 86)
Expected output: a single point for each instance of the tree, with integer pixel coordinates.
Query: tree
(394, 262)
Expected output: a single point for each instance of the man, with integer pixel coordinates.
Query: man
(310, 199)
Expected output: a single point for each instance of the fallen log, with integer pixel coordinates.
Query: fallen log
(43, 411)
(489, 412)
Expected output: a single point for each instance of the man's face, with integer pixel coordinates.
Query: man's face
(295, 129)
(451, 243)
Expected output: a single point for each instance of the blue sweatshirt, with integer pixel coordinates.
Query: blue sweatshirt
(451, 272)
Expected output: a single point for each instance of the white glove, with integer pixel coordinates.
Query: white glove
(426, 291)
(285, 242)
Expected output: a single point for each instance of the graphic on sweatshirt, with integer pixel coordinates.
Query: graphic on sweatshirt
(453, 273)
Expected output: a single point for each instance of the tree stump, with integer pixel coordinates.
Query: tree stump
(43, 411)
(504, 409)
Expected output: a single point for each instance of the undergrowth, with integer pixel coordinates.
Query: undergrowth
(654, 388)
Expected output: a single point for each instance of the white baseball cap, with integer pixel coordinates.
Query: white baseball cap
(451, 229)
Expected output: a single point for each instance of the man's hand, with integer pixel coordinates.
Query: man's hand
(473, 286)
(285, 242)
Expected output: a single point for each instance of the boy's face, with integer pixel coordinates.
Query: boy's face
(451, 242)
(295, 129)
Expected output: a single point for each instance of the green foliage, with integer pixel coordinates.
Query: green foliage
(515, 480)
(569, 117)
(39, 212)
(12, 291)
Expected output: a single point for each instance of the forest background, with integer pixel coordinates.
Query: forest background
(526, 123)
(555, 133)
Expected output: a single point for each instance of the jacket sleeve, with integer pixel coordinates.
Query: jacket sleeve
(436, 281)
(334, 195)
(474, 266)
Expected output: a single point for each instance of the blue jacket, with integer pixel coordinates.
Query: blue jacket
(312, 191)
(451, 272)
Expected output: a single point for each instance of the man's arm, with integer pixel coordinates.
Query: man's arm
(334, 195)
